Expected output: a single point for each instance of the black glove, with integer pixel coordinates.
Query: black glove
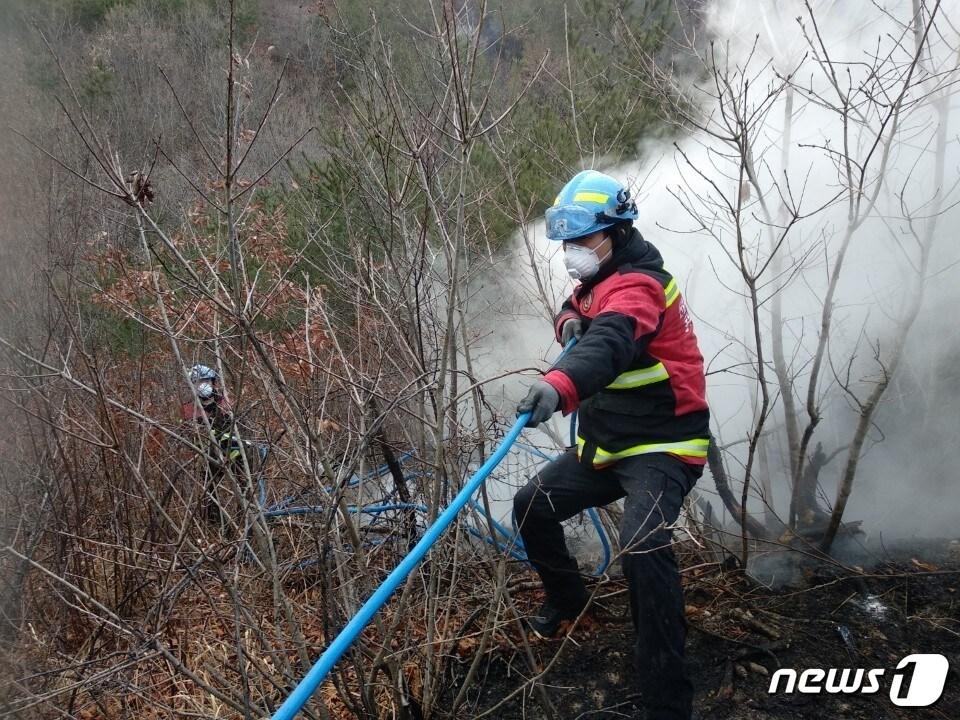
(572, 328)
(541, 402)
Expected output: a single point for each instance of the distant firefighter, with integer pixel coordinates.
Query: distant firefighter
(215, 409)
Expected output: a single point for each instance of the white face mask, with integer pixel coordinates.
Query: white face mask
(582, 262)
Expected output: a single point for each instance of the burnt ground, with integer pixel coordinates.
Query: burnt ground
(740, 632)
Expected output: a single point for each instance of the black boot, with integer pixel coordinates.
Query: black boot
(551, 617)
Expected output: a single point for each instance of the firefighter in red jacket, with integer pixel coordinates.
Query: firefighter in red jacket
(211, 405)
(636, 379)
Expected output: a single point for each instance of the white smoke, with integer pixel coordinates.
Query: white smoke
(768, 40)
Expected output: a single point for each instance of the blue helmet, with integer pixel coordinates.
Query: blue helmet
(200, 373)
(591, 201)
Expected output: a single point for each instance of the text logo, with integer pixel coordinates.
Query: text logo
(917, 681)
(926, 682)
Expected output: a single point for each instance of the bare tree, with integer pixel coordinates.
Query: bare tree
(344, 342)
(787, 213)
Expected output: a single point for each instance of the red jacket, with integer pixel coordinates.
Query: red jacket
(219, 413)
(636, 375)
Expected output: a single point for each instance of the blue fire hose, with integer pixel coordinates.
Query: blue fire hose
(302, 692)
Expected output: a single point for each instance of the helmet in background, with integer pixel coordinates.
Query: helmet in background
(200, 373)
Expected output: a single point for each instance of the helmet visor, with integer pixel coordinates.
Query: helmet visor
(566, 222)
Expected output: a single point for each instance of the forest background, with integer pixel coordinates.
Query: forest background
(338, 207)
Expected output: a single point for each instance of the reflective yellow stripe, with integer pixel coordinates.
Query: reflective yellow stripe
(691, 448)
(556, 200)
(591, 197)
(672, 292)
(638, 378)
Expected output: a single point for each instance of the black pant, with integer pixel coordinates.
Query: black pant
(654, 486)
